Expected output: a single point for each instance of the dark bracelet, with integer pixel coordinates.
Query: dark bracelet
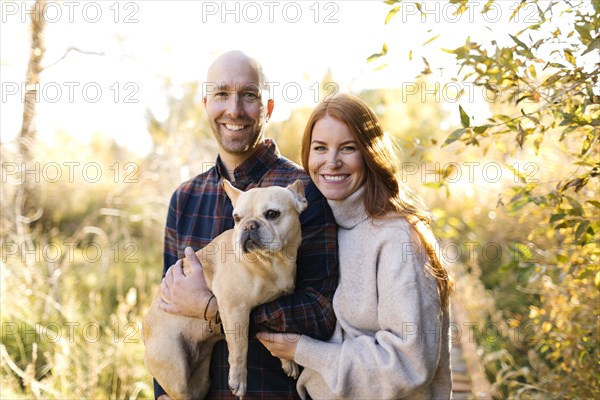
(206, 308)
(218, 318)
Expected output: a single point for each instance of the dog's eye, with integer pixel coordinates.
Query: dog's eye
(272, 214)
(236, 218)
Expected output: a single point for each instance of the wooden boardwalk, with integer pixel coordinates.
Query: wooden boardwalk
(468, 377)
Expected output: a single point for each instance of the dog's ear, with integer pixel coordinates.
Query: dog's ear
(297, 189)
(232, 192)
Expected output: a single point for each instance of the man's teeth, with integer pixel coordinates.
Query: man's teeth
(334, 178)
(234, 127)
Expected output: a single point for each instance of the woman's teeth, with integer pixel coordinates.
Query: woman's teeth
(334, 178)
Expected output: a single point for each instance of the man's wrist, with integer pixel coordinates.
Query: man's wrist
(211, 309)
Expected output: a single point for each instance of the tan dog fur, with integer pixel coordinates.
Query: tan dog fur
(249, 265)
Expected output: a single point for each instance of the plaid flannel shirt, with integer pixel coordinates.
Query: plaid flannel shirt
(200, 210)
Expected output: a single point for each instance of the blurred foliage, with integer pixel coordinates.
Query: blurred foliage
(545, 285)
(79, 271)
(288, 133)
(73, 273)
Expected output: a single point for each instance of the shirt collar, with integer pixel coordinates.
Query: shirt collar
(252, 170)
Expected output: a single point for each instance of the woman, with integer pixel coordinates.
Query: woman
(391, 339)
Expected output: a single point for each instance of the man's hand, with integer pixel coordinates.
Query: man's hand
(282, 345)
(186, 295)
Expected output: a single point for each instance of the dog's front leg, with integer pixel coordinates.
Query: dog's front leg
(235, 325)
(290, 368)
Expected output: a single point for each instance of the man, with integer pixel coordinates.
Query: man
(200, 210)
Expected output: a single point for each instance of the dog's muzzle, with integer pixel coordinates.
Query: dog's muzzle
(250, 237)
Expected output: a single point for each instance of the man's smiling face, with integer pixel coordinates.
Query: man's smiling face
(234, 105)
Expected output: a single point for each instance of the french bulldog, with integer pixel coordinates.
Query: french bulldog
(249, 265)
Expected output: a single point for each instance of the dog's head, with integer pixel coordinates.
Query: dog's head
(267, 219)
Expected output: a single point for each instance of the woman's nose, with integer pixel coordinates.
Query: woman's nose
(334, 162)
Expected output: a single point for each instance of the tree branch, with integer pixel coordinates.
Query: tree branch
(70, 49)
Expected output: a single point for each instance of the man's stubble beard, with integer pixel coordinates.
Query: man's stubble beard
(241, 146)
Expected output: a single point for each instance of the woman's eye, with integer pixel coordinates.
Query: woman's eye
(272, 214)
(319, 148)
(348, 148)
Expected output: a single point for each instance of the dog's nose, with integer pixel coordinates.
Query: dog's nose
(251, 226)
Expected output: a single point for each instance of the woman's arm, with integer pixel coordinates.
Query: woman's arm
(401, 356)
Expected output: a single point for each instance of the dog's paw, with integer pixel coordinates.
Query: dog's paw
(238, 388)
(237, 383)
(290, 368)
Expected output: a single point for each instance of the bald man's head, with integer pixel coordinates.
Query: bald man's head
(234, 104)
(239, 62)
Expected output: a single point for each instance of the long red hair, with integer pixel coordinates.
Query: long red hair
(385, 194)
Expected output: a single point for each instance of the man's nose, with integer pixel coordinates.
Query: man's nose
(235, 107)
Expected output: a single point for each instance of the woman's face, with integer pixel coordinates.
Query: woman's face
(336, 165)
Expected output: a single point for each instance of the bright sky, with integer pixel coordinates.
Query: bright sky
(145, 42)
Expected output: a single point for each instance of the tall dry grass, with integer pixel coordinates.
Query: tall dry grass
(81, 260)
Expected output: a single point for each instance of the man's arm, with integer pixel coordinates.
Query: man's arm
(170, 256)
(309, 309)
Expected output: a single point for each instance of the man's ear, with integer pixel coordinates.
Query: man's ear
(297, 189)
(270, 106)
(232, 192)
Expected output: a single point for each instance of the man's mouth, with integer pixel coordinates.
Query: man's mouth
(234, 127)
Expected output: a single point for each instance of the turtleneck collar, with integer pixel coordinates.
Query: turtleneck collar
(350, 211)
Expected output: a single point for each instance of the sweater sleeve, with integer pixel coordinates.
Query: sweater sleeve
(402, 356)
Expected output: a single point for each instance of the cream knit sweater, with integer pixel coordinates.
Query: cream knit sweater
(391, 339)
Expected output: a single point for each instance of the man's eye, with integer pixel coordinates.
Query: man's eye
(272, 214)
(251, 96)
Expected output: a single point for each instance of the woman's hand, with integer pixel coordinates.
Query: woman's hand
(164, 397)
(282, 345)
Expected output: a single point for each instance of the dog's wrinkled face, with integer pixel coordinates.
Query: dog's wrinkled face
(266, 218)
